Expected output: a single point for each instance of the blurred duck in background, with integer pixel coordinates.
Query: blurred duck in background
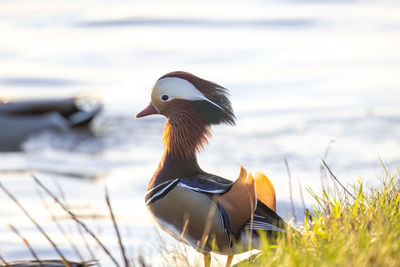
(21, 119)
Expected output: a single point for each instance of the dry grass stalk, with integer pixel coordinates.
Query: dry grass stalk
(11, 196)
(59, 227)
(78, 227)
(336, 179)
(4, 262)
(75, 218)
(302, 196)
(26, 242)
(124, 257)
(290, 189)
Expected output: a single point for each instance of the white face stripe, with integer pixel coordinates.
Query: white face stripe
(178, 88)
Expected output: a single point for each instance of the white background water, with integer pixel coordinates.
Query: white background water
(303, 75)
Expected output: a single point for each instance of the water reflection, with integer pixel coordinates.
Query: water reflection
(37, 82)
(202, 23)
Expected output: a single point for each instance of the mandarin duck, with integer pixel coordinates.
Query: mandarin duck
(208, 212)
(21, 119)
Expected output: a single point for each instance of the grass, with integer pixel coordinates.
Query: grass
(361, 228)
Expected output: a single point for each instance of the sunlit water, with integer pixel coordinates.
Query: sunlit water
(305, 77)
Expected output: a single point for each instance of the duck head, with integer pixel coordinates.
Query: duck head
(185, 90)
(191, 105)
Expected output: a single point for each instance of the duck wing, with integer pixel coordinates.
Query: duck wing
(250, 204)
(207, 183)
(204, 183)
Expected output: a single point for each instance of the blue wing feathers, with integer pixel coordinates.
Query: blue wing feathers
(207, 184)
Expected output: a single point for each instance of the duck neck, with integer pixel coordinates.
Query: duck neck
(183, 136)
(185, 132)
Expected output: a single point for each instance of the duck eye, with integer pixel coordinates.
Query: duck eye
(164, 97)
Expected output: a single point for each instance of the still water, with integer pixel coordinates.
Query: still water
(306, 78)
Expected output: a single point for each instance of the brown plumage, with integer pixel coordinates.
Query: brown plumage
(238, 200)
(185, 130)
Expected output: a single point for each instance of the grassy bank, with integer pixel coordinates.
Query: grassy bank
(355, 228)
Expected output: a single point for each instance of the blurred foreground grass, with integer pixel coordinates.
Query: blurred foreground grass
(345, 229)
